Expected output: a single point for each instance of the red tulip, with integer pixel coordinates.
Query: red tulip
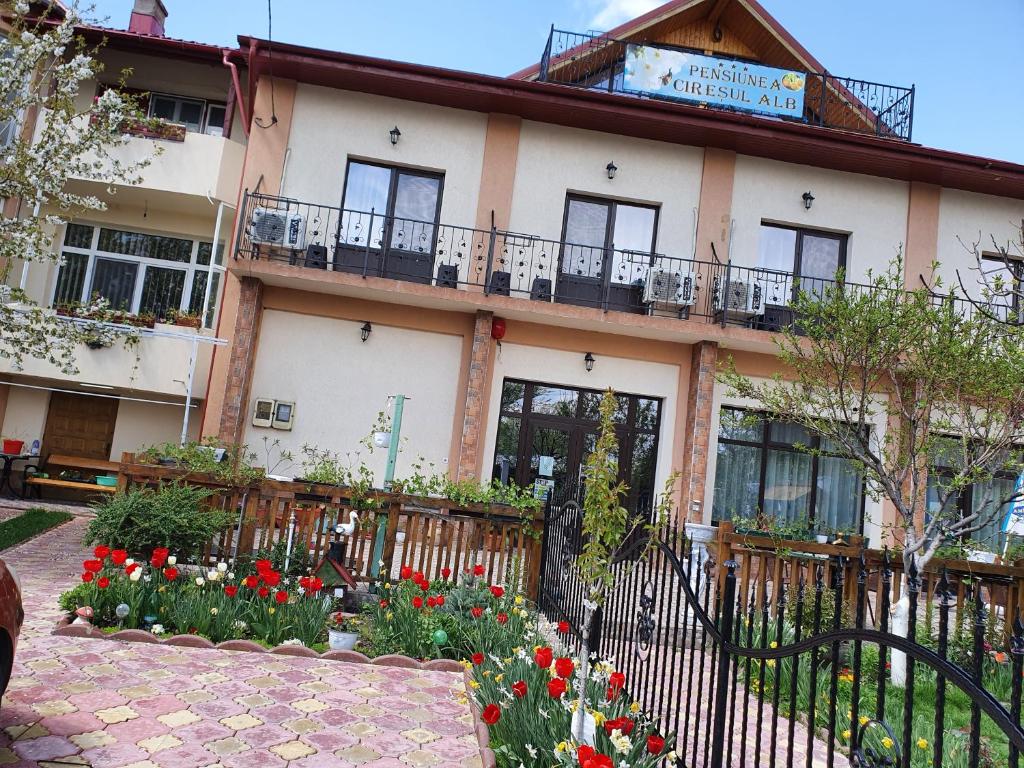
(271, 578)
(281, 596)
(130, 569)
(316, 584)
(584, 753)
(406, 572)
(598, 761)
(478, 570)
(502, 618)
(446, 572)
(616, 680)
(543, 657)
(440, 599)
(417, 602)
(95, 566)
(417, 577)
(88, 576)
(262, 591)
(655, 744)
(230, 590)
(478, 658)
(252, 581)
(477, 611)
(118, 556)
(103, 582)
(431, 602)
(563, 627)
(622, 724)
(519, 689)
(491, 714)
(564, 667)
(170, 573)
(101, 552)
(384, 603)
(556, 688)
(425, 585)
(263, 565)
(497, 591)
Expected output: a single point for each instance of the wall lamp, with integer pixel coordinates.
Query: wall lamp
(588, 362)
(395, 135)
(364, 332)
(611, 168)
(808, 199)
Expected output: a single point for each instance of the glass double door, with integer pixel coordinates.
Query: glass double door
(556, 454)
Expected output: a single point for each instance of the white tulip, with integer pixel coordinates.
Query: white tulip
(222, 567)
(172, 560)
(200, 581)
(135, 575)
(231, 576)
(212, 575)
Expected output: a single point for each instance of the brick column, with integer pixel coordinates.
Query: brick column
(243, 355)
(478, 388)
(697, 434)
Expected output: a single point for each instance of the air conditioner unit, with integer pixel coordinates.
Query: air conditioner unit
(740, 298)
(668, 285)
(274, 227)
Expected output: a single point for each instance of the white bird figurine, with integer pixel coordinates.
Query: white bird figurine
(347, 529)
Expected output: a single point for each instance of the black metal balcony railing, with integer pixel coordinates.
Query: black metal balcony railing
(519, 265)
(596, 62)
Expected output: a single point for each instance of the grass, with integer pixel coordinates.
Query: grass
(28, 524)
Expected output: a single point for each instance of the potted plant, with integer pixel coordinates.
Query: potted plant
(187, 320)
(343, 631)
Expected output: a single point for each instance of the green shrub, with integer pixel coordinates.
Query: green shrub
(173, 516)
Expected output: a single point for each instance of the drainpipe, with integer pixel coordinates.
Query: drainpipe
(238, 89)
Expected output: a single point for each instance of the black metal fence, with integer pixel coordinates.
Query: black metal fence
(514, 264)
(803, 680)
(597, 61)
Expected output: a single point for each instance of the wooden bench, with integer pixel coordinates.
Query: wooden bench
(97, 466)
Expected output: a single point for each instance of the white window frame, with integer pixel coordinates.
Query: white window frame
(191, 268)
(204, 113)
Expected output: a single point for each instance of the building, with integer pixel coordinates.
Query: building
(624, 213)
(149, 254)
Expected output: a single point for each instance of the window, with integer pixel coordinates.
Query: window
(8, 126)
(813, 257)
(1005, 278)
(985, 498)
(137, 272)
(761, 469)
(196, 115)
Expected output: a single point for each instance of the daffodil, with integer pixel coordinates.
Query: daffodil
(634, 707)
(887, 742)
(474, 684)
(922, 743)
(847, 734)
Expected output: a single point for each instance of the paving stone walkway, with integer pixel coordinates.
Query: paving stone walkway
(85, 701)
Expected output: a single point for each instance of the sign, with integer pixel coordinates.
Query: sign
(542, 488)
(546, 465)
(710, 80)
(1014, 520)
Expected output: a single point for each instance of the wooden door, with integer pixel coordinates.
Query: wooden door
(79, 425)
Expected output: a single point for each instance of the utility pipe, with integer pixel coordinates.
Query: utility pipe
(238, 88)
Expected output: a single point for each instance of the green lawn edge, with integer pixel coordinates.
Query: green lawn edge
(30, 523)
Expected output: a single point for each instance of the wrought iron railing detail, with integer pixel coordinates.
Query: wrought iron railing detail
(595, 61)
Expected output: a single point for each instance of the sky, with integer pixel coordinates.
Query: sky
(964, 57)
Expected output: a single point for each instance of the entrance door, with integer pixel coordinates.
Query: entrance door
(79, 425)
(606, 253)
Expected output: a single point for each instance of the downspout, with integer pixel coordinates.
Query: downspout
(253, 77)
(235, 83)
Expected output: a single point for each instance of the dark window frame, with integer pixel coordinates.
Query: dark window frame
(1016, 267)
(801, 233)
(396, 171)
(612, 203)
(766, 444)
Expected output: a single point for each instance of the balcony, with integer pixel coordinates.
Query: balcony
(316, 239)
(598, 62)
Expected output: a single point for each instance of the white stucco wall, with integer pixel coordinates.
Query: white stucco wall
(974, 218)
(140, 425)
(26, 414)
(339, 383)
(723, 397)
(330, 126)
(559, 367)
(553, 161)
(872, 211)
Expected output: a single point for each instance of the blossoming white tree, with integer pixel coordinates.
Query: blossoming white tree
(44, 67)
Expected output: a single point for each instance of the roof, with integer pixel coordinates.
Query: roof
(667, 121)
(136, 42)
(340, 569)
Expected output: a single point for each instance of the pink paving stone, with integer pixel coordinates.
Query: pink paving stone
(158, 705)
(33, 694)
(453, 749)
(331, 717)
(184, 756)
(330, 741)
(321, 760)
(385, 762)
(44, 748)
(16, 714)
(231, 689)
(202, 732)
(295, 676)
(216, 710)
(137, 729)
(389, 744)
(392, 722)
(278, 713)
(90, 702)
(343, 696)
(114, 755)
(263, 736)
(286, 695)
(254, 758)
(71, 724)
(447, 727)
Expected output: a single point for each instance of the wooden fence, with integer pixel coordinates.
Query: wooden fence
(429, 534)
(765, 563)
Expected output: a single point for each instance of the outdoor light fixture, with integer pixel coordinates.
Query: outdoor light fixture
(364, 332)
(395, 135)
(588, 361)
(611, 168)
(808, 199)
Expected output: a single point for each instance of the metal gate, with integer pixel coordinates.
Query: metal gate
(797, 674)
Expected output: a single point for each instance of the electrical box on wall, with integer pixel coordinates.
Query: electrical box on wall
(276, 414)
